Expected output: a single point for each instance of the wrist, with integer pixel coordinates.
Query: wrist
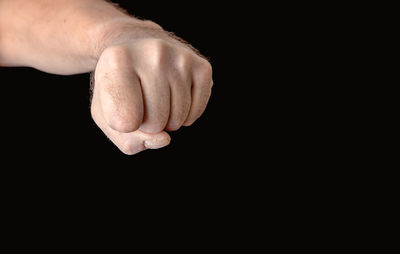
(118, 31)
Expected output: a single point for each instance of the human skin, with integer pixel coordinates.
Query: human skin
(147, 81)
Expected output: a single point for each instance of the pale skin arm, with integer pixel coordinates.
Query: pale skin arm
(146, 81)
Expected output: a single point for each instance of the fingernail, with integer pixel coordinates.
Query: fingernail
(156, 143)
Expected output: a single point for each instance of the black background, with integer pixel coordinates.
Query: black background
(47, 119)
(248, 161)
(243, 155)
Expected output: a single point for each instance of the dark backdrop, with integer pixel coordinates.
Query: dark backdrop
(47, 116)
(233, 159)
(247, 155)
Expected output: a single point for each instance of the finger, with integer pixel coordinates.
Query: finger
(156, 101)
(121, 99)
(180, 102)
(128, 143)
(201, 91)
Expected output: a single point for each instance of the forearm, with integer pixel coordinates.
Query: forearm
(63, 36)
(146, 80)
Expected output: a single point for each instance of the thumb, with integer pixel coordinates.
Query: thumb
(132, 142)
(137, 141)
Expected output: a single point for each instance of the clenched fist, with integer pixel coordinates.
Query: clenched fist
(145, 86)
(146, 81)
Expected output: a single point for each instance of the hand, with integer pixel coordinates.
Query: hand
(146, 80)
(146, 86)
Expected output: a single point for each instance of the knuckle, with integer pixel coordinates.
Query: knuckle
(173, 126)
(127, 148)
(205, 73)
(117, 57)
(196, 115)
(189, 121)
(183, 63)
(123, 124)
(176, 122)
(179, 74)
(151, 24)
(154, 126)
(155, 51)
(130, 148)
